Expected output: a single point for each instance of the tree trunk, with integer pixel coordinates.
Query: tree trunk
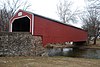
(88, 41)
(95, 40)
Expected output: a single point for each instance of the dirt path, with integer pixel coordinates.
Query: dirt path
(48, 62)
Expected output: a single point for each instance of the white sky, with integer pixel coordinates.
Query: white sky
(48, 8)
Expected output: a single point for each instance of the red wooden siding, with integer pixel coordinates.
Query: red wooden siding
(54, 32)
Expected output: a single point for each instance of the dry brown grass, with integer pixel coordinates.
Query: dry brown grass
(48, 62)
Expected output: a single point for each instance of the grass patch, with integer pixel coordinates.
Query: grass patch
(48, 62)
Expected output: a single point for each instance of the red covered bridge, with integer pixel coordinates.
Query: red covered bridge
(50, 30)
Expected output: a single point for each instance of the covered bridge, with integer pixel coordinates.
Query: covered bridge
(50, 30)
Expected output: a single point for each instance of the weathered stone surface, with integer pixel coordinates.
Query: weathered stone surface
(20, 44)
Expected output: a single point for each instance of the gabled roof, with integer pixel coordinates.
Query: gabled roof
(54, 20)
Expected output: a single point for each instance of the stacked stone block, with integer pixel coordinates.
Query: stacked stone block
(20, 44)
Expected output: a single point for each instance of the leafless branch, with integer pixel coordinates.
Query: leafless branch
(91, 19)
(64, 11)
(9, 7)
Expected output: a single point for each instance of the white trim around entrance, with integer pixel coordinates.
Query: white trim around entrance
(19, 18)
(32, 24)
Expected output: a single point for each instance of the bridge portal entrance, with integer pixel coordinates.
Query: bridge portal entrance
(21, 25)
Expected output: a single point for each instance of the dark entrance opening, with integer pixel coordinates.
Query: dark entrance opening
(21, 25)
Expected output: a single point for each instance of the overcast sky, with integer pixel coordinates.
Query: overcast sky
(48, 8)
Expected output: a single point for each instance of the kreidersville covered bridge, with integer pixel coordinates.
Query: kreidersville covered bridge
(51, 31)
(29, 33)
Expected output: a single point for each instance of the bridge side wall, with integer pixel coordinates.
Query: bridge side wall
(56, 32)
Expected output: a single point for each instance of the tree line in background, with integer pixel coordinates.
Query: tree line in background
(90, 16)
(8, 9)
(91, 19)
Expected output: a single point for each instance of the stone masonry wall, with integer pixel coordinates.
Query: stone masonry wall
(20, 44)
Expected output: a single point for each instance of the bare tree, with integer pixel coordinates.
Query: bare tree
(8, 9)
(64, 11)
(90, 18)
